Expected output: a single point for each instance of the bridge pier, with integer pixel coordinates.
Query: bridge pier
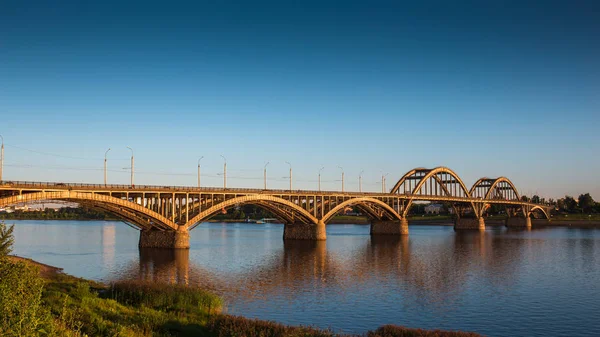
(302, 231)
(389, 227)
(469, 224)
(165, 239)
(518, 223)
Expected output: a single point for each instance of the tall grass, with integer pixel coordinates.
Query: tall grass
(168, 298)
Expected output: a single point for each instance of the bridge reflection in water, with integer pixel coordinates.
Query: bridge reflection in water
(434, 272)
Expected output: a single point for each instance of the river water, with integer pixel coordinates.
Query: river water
(543, 282)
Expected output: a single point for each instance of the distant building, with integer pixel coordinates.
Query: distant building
(434, 208)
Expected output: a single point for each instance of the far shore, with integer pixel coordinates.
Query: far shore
(416, 220)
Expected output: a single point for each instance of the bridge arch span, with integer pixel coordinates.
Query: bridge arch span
(490, 188)
(361, 201)
(259, 200)
(438, 183)
(111, 204)
(538, 208)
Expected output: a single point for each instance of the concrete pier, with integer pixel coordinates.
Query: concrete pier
(469, 224)
(179, 239)
(518, 222)
(302, 231)
(389, 227)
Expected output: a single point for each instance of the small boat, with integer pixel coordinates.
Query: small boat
(259, 222)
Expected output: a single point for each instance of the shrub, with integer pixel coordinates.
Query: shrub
(6, 239)
(21, 310)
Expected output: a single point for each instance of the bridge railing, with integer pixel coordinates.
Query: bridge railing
(60, 185)
(191, 189)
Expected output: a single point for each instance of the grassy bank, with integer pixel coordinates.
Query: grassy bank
(39, 300)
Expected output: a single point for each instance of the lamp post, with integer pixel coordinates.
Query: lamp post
(1, 157)
(341, 168)
(224, 171)
(132, 166)
(199, 171)
(105, 153)
(287, 162)
(360, 181)
(321, 169)
(383, 180)
(265, 175)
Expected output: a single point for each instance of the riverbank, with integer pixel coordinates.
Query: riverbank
(71, 306)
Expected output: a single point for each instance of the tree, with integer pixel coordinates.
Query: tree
(570, 204)
(586, 203)
(6, 239)
(535, 199)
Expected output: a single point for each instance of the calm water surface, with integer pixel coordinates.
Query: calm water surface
(544, 282)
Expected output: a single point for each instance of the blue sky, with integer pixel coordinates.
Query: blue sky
(486, 89)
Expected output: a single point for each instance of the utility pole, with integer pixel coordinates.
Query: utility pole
(199, 171)
(321, 169)
(1, 158)
(265, 175)
(224, 171)
(341, 168)
(287, 162)
(360, 181)
(105, 153)
(132, 167)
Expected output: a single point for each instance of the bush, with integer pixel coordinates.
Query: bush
(21, 310)
(6, 239)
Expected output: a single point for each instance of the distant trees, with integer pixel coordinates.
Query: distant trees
(583, 204)
(586, 203)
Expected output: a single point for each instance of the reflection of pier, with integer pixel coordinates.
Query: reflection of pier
(432, 271)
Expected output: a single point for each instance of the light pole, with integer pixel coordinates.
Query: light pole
(265, 175)
(360, 181)
(1, 158)
(341, 168)
(287, 162)
(224, 171)
(383, 180)
(199, 171)
(105, 153)
(321, 169)
(132, 165)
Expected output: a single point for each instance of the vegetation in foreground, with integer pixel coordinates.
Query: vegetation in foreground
(39, 300)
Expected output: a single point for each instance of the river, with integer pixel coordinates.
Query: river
(543, 282)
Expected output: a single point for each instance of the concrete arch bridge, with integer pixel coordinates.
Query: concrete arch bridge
(166, 214)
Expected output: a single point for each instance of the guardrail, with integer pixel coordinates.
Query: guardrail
(60, 185)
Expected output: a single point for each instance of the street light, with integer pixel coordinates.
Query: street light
(287, 162)
(321, 169)
(199, 171)
(383, 181)
(1, 157)
(341, 168)
(360, 181)
(265, 175)
(132, 165)
(105, 153)
(224, 171)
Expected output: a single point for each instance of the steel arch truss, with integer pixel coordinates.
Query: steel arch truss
(438, 184)
(495, 189)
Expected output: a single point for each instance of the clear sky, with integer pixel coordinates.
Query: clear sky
(487, 88)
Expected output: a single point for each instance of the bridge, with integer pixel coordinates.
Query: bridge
(165, 214)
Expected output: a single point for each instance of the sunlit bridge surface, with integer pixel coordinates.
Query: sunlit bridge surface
(499, 282)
